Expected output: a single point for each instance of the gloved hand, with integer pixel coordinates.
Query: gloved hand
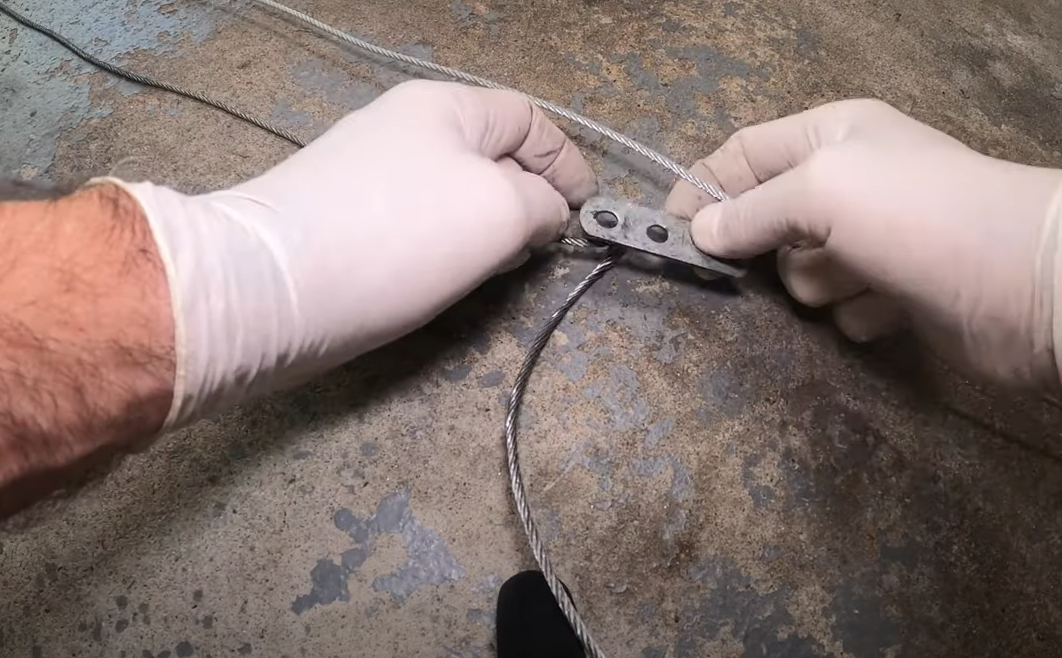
(892, 221)
(366, 234)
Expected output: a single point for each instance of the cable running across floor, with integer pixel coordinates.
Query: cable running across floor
(542, 337)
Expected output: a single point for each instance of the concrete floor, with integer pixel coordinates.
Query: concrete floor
(716, 474)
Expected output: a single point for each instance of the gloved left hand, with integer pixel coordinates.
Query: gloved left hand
(368, 233)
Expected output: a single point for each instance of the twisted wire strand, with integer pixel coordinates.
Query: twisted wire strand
(582, 243)
(542, 337)
(457, 74)
(148, 81)
(516, 481)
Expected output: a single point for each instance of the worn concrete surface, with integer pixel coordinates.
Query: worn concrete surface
(716, 474)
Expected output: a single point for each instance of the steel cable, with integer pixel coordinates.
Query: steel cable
(457, 74)
(542, 337)
(147, 81)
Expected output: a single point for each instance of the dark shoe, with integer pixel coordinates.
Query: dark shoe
(530, 623)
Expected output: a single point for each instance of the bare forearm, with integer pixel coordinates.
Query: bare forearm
(87, 348)
(86, 339)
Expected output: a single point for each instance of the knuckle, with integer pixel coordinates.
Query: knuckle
(419, 96)
(865, 114)
(840, 121)
(416, 88)
(869, 106)
(811, 279)
(703, 170)
(822, 172)
(407, 97)
(871, 111)
(736, 143)
(805, 292)
(819, 186)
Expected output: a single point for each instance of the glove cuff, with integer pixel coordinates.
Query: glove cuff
(233, 311)
(179, 332)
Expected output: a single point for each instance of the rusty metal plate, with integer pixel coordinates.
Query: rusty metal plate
(621, 222)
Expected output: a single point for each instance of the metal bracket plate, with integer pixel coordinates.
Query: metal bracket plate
(653, 231)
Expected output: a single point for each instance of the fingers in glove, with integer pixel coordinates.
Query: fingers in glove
(685, 199)
(776, 213)
(513, 169)
(750, 157)
(545, 210)
(509, 165)
(506, 123)
(814, 278)
(868, 317)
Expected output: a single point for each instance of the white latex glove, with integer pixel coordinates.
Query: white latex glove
(368, 233)
(893, 221)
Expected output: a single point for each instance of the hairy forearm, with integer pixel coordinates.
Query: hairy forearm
(86, 339)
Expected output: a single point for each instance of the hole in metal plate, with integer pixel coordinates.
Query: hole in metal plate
(606, 219)
(657, 233)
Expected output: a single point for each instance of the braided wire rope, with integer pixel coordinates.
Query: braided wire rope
(457, 74)
(148, 81)
(523, 376)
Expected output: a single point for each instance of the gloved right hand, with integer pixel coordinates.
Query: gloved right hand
(892, 221)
